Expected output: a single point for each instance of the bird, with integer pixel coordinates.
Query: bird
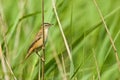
(37, 44)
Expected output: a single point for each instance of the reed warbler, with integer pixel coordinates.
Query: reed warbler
(37, 44)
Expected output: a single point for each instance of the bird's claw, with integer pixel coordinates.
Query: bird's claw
(43, 47)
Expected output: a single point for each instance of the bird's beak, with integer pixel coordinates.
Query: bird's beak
(51, 25)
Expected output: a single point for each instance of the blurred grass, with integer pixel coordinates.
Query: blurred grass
(83, 29)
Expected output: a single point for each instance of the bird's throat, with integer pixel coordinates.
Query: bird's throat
(46, 33)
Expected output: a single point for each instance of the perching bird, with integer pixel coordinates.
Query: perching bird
(38, 42)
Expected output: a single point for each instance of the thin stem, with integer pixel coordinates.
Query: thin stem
(60, 27)
(9, 67)
(39, 69)
(96, 63)
(3, 59)
(3, 30)
(59, 65)
(3, 65)
(64, 70)
(43, 47)
(109, 35)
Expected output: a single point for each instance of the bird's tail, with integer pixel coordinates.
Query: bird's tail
(29, 52)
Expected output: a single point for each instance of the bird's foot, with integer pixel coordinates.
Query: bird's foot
(42, 59)
(43, 47)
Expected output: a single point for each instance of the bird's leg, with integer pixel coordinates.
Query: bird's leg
(40, 56)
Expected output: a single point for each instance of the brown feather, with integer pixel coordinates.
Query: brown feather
(38, 42)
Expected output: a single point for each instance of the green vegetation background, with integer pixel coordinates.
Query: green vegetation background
(84, 31)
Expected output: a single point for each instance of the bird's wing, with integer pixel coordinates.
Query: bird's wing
(32, 46)
(37, 37)
(39, 34)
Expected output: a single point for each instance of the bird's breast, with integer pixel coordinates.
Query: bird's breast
(46, 33)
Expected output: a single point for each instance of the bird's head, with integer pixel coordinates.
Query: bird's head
(47, 25)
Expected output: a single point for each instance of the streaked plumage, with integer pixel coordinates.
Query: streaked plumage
(38, 42)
